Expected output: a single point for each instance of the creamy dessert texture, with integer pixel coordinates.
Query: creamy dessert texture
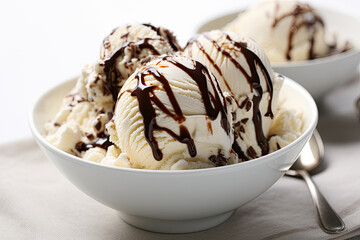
(149, 104)
(80, 123)
(287, 30)
(245, 75)
(171, 114)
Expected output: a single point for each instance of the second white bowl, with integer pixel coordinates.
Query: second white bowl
(318, 76)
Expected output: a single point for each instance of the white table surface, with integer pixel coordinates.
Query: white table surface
(44, 43)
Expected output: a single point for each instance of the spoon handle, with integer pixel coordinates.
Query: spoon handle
(329, 221)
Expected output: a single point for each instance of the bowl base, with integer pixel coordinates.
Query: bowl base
(176, 226)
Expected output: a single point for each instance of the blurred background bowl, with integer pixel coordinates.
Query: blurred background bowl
(320, 75)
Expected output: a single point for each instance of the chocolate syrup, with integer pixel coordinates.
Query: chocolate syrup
(210, 128)
(147, 99)
(245, 103)
(217, 68)
(145, 96)
(235, 146)
(251, 152)
(106, 44)
(163, 32)
(218, 160)
(309, 19)
(254, 82)
(213, 103)
(102, 141)
(336, 49)
(112, 75)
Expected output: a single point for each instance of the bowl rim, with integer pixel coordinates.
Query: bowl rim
(305, 63)
(41, 139)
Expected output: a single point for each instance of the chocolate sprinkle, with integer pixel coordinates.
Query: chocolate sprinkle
(102, 141)
(98, 125)
(251, 152)
(218, 160)
(113, 77)
(245, 120)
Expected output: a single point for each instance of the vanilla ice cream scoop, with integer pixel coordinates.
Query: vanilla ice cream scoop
(79, 126)
(247, 79)
(287, 30)
(171, 114)
(130, 46)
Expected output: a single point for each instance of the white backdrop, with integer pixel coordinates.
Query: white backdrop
(44, 43)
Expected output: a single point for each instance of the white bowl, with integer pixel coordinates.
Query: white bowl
(318, 76)
(174, 201)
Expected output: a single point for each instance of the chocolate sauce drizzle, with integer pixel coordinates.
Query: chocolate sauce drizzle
(112, 75)
(309, 19)
(147, 99)
(102, 141)
(163, 32)
(217, 68)
(254, 83)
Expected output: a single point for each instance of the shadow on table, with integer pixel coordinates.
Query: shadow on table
(266, 217)
(338, 119)
(339, 128)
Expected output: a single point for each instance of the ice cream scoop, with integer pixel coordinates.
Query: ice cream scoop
(79, 126)
(129, 46)
(287, 30)
(171, 114)
(247, 79)
(148, 104)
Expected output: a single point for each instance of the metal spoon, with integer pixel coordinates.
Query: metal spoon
(309, 159)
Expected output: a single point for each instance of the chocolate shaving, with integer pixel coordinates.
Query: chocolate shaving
(218, 160)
